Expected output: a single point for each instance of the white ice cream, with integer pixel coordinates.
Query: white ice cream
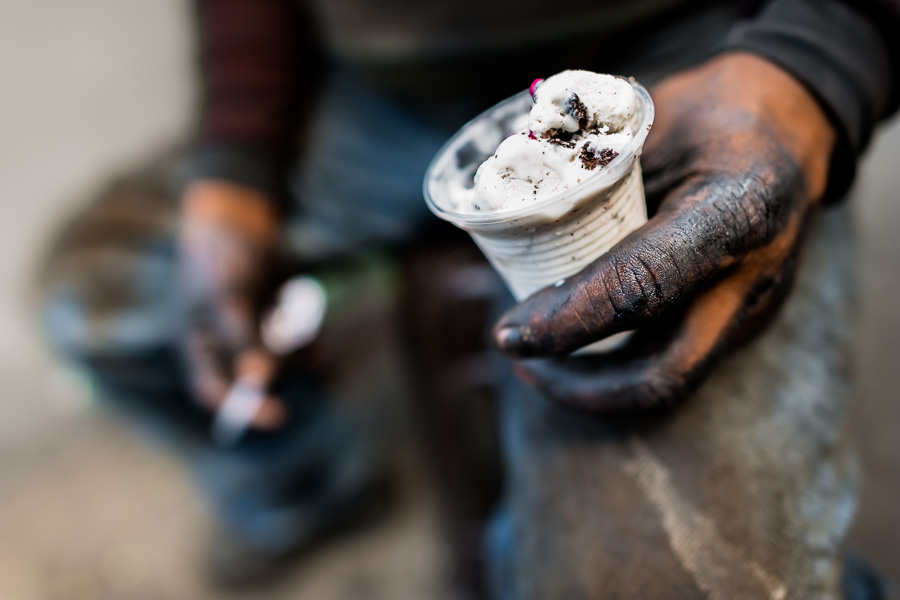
(548, 200)
(578, 123)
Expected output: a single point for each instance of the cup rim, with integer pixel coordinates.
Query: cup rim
(615, 170)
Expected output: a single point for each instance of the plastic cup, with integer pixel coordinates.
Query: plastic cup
(541, 244)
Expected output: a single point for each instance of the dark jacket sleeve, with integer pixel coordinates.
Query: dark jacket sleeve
(250, 77)
(847, 53)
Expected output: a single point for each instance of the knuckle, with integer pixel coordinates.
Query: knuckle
(661, 389)
(666, 389)
(635, 285)
(772, 187)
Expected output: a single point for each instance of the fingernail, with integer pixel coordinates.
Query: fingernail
(511, 339)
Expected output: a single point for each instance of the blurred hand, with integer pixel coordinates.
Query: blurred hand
(228, 245)
(734, 168)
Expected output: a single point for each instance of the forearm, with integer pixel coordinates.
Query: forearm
(251, 52)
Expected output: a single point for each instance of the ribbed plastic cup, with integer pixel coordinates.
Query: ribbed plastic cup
(539, 245)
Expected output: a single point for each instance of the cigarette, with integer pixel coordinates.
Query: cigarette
(235, 414)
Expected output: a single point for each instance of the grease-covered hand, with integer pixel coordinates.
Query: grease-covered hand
(229, 268)
(734, 169)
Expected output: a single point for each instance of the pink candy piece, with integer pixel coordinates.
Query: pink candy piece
(534, 86)
(531, 135)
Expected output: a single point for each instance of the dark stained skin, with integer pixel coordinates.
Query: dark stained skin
(734, 170)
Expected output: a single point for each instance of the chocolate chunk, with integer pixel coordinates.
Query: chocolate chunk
(577, 109)
(559, 141)
(592, 158)
(560, 137)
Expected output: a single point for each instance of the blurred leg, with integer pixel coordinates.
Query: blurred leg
(362, 185)
(746, 491)
(450, 299)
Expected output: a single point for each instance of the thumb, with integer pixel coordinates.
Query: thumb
(620, 291)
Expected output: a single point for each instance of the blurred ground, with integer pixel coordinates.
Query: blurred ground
(86, 512)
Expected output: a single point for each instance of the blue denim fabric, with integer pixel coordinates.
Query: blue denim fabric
(359, 182)
(271, 489)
